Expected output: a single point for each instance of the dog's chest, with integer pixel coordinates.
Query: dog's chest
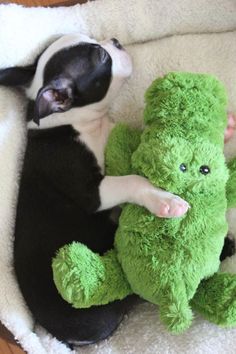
(94, 136)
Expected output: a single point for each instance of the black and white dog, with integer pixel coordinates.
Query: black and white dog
(64, 195)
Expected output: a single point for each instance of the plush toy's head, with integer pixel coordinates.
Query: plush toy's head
(181, 147)
(179, 166)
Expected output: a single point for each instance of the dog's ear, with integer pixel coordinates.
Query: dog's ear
(57, 96)
(17, 76)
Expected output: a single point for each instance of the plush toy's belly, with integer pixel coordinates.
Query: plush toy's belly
(155, 253)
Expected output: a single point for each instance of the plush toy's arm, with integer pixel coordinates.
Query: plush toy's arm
(231, 184)
(122, 142)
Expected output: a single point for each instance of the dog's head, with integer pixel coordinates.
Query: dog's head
(73, 72)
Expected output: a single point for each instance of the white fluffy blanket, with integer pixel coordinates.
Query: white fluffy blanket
(161, 35)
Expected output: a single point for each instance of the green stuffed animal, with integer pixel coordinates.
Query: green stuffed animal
(162, 260)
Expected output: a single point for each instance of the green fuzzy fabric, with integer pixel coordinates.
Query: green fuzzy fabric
(163, 260)
(215, 299)
(123, 140)
(231, 185)
(76, 265)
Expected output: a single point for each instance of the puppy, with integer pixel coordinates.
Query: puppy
(64, 195)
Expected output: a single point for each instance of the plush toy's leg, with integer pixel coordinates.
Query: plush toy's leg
(215, 299)
(84, 278)
(231, 184)
(174, 307)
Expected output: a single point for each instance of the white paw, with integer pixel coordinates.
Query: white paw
(164, 204)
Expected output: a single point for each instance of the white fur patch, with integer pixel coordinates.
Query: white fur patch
(94, 135)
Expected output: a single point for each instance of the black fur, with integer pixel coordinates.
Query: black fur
(70, 82)
(57, 199)
(229, 248)
(90, 76)
(17, 76)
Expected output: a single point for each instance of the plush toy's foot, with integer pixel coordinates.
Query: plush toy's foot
(229, 132)
(177, 318)
(215, 299)
(84, 278)
(175, 311)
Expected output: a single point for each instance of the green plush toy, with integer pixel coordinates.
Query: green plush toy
(162, 260)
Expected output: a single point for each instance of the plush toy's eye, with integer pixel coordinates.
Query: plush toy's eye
(204, 170)
(183, 167)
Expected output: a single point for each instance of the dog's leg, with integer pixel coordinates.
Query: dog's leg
(138, 190)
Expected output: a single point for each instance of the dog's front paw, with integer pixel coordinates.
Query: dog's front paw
(164, 204)
(172, 206)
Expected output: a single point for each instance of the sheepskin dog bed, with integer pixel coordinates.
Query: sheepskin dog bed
(161, 36)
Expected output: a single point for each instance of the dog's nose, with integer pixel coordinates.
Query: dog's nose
(116, 43)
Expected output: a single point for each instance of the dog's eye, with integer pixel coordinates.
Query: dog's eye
(204, 169)
(183, 167)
